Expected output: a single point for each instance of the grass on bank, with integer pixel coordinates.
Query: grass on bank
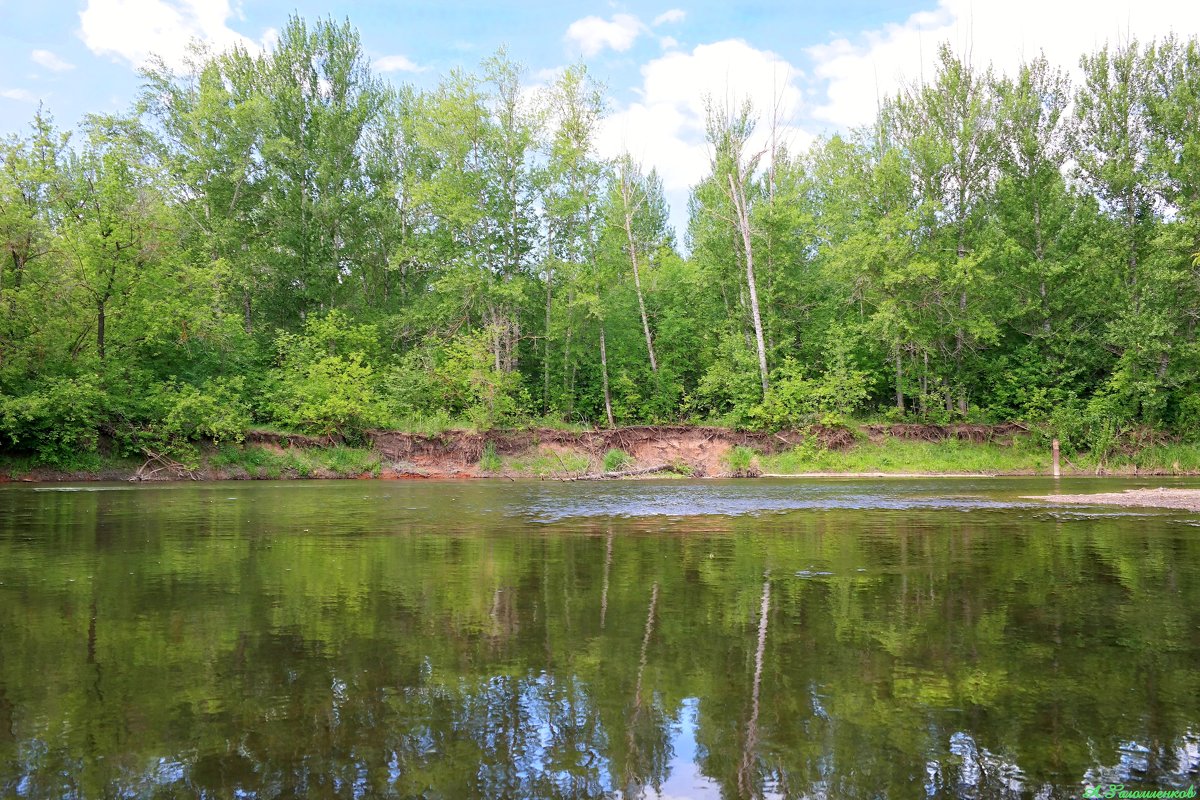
(954, 456)
(900, 455)
(1021, 456)
(262, 462)
(547, 463)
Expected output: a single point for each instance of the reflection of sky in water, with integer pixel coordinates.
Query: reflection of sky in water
(976, 772)
(1178, 765)
(684, 779)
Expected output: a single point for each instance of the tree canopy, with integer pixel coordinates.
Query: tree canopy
(285, 238)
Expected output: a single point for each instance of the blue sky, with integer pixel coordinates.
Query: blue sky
(821, 65)
(434, 37)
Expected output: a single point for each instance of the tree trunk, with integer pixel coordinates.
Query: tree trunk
(568, 379)
(739, 201)
(546, 343)
(100, 310)
(899, 387)
(960, 337)
(604, 378)
(637, 284)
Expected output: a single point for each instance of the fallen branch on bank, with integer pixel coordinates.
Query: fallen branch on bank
(162, 462)
(625, 473)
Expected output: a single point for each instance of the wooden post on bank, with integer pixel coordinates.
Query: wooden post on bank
(1054, 455)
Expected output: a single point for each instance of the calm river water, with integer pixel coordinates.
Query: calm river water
(834, 638)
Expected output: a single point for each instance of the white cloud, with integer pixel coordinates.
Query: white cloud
(133, 30)
(674, 15)
(665, 127)
(593, 34)
(20, 95)
(397, 63)
(876, 63)
(50, 61)
(668, 42)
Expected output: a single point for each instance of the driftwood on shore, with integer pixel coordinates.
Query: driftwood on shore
(157, 463)
(624, 473)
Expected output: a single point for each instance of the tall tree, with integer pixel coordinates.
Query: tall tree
(948, 129)
(733, 167)
(117, 230)
(324, 104)
(574, 178)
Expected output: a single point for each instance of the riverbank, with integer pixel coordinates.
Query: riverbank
(900, 450)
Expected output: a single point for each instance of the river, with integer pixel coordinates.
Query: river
(671, 639)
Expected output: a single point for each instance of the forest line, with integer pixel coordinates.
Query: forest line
(284, 239)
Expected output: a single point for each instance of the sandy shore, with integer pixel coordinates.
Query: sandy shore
(1183, 499)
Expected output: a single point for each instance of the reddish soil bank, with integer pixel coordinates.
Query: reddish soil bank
(700, 449)
(696, 450)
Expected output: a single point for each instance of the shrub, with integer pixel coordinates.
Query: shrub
(458, 378)
(795, 399)
(333, 395)
(731, 385)
(490, 461)
(741, 462)
(616, 460)
(171, 416)
(59, 421)
(326, 383)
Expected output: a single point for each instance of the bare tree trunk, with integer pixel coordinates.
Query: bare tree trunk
(899, 386)
(925, 383)
(546, 343)
(637, 285)
(494, 336)
(630, 207)
(739, 202)
(960, 337)
(568, 378)
(604, 378)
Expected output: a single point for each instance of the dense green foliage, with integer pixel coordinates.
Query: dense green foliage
(286, 239)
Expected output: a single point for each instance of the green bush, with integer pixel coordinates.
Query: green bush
(326, 384)
(489, 461)
(797, 400)
(169, 418)
(740, 461)
(59, 421)
(731, 386)
(617, 460)
(333, 395)
(458, 379)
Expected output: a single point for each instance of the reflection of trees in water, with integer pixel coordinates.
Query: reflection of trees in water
(647, 736)
(508, 665)
(749, 784)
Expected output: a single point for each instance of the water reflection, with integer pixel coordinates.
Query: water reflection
(366, 639)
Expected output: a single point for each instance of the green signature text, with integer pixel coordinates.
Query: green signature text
(1118, 790)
